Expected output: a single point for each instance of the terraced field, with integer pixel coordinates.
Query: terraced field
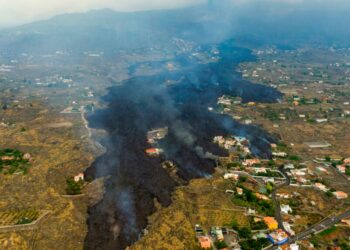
(18, 217)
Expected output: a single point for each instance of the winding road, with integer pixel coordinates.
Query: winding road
(316, 228)
(278, 214)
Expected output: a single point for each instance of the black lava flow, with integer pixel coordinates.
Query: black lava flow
(140, 104)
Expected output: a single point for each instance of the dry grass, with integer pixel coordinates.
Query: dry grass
(201, 202)
(58, 153)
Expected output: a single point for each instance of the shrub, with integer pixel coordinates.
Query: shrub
(73, 188)
(245, 233)
(220, 244)
(294, 158)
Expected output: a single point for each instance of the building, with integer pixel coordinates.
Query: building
(251, 162)
(321, 120)
(340, 195)
(204, 242)
(199, 230)
(318, 144)
(321, 187)
(298, 172)
(268, 179)
(223, 100)
(347, 161)
(289, 166)
(156, 134)
(228, 176)
(301, 180)
(346, 222)
(248, 122)
(294, 247)
(288, 228)
(251, 211)
(286, 209)
(341, 168)
(219, 139)
(218, 233)
(280, 154)
(322, 169)
(239, 190)
(7, 158)
(227, 143)
(262, 197)
(27, 156)
(153, 151)
(278, 237)
(271, 223)
(283, 195)
(79, 177)
(237, 100)
(260, 170)
(260, 235)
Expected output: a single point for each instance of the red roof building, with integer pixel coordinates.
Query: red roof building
(204, 242)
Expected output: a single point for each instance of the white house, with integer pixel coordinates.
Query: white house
(286, 209)
(79, 177)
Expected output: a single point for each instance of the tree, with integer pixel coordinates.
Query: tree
(329, 193)
(249, 195)
(232, 165)
(294, 158)
(220, 244)
(73, 188)
(245, 233)
(24, 220)
(242, 179)
(234, 224)
(254, 244)
(347, 171)
(272, 163)
(269, 187)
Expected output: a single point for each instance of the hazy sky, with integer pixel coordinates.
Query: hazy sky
(14, 12)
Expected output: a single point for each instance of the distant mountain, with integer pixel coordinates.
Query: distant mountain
(104, 30)
(108, 31)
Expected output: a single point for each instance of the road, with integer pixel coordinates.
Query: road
(316, 228)
(278, 214)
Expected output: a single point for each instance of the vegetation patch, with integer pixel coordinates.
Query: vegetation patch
(74, 187)
(249, 199)
(254, 244)
(13, 161)
(257, 225)
(328, 231)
